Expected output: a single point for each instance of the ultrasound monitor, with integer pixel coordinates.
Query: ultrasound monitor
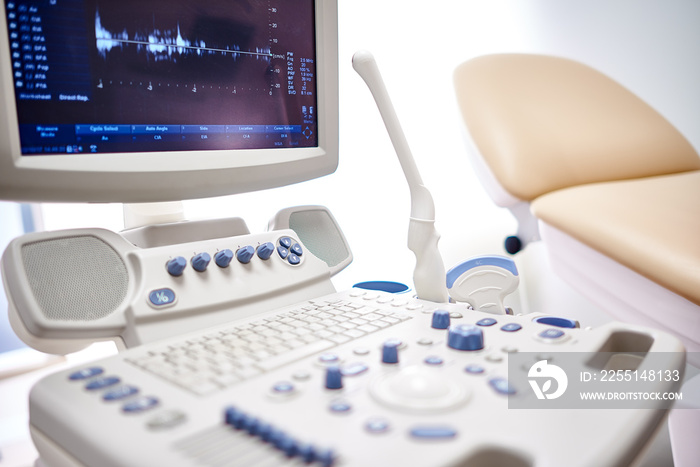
(137, 101)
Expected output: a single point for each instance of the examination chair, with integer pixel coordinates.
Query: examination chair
(606, 182)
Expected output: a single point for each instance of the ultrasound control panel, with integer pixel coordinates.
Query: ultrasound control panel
(355, 378)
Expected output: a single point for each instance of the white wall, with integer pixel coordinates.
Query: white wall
(651, 46)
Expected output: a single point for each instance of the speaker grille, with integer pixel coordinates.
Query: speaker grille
(78, 278)
(320, 235)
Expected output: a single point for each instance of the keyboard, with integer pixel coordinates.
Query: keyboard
(218, 359)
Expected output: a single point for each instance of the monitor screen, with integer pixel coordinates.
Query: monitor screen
(175, 99)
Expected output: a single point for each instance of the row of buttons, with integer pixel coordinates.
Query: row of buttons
(289, 445)
(287, 249)
(114, 391)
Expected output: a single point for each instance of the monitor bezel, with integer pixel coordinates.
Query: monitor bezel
(170, 175)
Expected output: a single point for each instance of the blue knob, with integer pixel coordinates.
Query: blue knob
(465, 337)
(176, 265)
(390, 352)
(201, 261)
(245, 254)
(441, 319)
(223, 258)
(265, 250)
(334, 377)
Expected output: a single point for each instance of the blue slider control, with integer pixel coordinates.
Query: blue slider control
(223, 258)
(176, 265)
(334, 377)
(465, 337)
(265, 250)
(200, 261)
(390, 352)
(441, 319)
(245, 254)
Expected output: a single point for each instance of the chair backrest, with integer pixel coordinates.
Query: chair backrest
(543, 123)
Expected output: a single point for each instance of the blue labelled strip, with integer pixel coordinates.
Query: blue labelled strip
(155, 129)
(38, 135)
(283, 129)
(202, 129)
(99, 130)
(499, 261)
(245, 129)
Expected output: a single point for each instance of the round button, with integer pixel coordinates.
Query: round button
(283, 387)
(286, 242)
(265, 250)
(486, 322)
(465, 337)
(433, 360)
(223, 258)
(85, 373)
(200, 261)
(340, 407)
(474, 369)
(283, 252)
(297, 249)
(176, 266)
(293, 259)
(511, 327)
(551, 334)
(245, 254)
(377, 425)
(441, 319)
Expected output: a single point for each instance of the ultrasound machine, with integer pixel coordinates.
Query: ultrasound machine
(236, 348)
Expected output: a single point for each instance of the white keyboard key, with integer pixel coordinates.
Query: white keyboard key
(295, 354)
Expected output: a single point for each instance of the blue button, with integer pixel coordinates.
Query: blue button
(102, 382)
(486, 322)
(283, 252)
(176, 266)
(293, 259)
(283, 387)
(558, 322)
(121, 392)
(200, 261)
(86, 373)
(139, 405)
(307, 452)
(441, 319)
(502, 386)
(296, 249)
(265, 250)
(286, 242)
(377, 425)
(354, 369)
(551, 334)
(474, 369)
(434, 360)
(235, 417)
(161, 297)
(223, 258)
(327, 458)
(245, 254)
(328, 358)
(433, 432)
(511, 327)
(289, 446)
(340, 407)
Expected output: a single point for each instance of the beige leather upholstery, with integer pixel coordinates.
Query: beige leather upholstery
(593, 160)
(544, 123)
(651, 225)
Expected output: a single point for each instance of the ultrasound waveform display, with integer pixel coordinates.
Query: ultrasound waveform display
(168, 45)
